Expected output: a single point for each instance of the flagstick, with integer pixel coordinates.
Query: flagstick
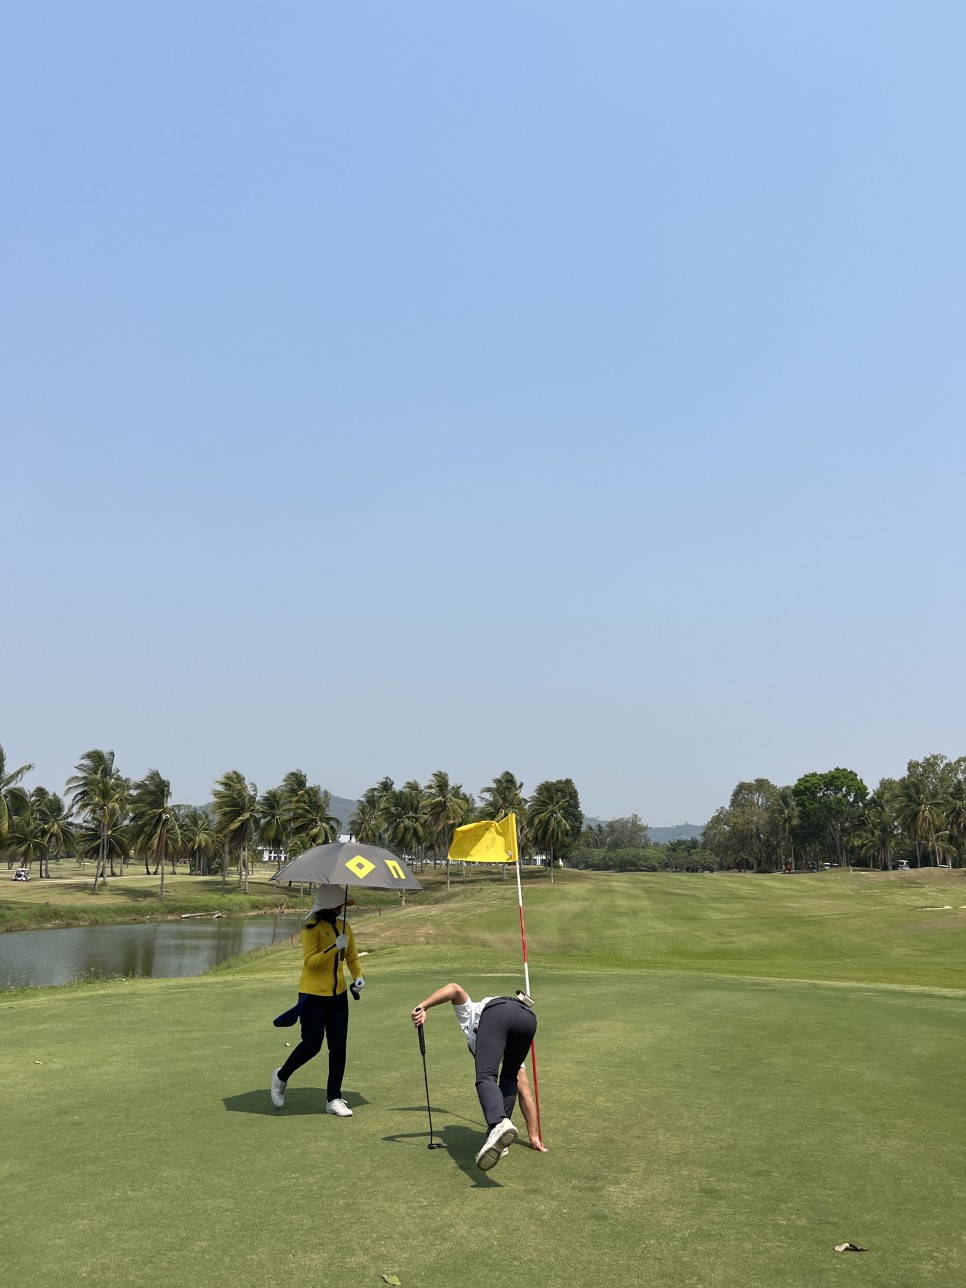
(526, 978)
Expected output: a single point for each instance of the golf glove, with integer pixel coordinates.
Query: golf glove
(341, 941)
(359, 984)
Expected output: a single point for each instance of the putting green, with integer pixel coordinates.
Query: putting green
(702, 1130)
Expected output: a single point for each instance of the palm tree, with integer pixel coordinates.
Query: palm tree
(273, 813)
(446, 806)
(919, 813)
(58, 835)
(786, 808)
(503, 796)
(199, 840)
(236, 817)
(878, 831)
(956, 815)
(99, 794)
(550, 828)
(154, 820)
(312, 821)
(405, 820)
(11, 795)
(366, 823)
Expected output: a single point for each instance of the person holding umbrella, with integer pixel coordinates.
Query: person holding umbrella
(323, 1006)
(499, 1032)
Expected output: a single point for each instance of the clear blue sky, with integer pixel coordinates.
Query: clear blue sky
(570, 388)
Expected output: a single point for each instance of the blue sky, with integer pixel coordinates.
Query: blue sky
(570, 388)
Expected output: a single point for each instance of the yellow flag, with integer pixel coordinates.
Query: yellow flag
(486, 842)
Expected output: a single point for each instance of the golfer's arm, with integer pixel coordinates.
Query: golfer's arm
(312, 954)
(527, 1104)
(448, 993)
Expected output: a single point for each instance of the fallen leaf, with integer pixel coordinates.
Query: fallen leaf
(392, 1279)
(38, 1062)
(848, 1247)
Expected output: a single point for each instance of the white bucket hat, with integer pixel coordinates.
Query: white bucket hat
(330, 896)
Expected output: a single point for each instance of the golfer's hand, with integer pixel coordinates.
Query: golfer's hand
(419, 1017)
(341, 941)
(359, 984)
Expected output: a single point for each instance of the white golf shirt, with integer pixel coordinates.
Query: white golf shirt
(468, 1018)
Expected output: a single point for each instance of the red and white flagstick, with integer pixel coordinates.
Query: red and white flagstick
(526, 979)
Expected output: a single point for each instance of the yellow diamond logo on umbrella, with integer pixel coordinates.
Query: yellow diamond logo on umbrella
(361, 867)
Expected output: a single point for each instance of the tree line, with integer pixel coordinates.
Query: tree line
(114, 821)
(833, 818)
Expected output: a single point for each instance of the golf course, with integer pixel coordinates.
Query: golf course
(736, 1074)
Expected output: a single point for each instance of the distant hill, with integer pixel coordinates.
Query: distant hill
(343, 809)
(683, 831)
(661, 835)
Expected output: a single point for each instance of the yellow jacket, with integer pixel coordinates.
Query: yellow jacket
(321, 967)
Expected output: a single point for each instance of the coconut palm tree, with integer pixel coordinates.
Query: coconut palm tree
(99, 795)
(365, 823)
(199, 840)
(11, 794)
(154, 820)
(273, 827)
(548, 821)
(58, 834)
(236, 817)
(503, 796)
(312, 821)
(445, 807)
(877, 833)
(405, 820)
(919, 812)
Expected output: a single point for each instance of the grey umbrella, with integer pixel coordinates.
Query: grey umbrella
(347, 863)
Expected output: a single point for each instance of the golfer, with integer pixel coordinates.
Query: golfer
(323, 1006)
(499, 1032)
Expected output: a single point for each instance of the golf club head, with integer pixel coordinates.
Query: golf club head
(434, 1144)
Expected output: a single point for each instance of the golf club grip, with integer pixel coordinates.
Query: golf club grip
(422, 1040)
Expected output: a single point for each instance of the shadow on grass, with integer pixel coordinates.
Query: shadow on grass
(460, 1143)
(298, 1100)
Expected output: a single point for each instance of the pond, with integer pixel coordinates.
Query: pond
(162, 949)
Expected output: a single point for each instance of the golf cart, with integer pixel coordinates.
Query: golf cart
(21, 874)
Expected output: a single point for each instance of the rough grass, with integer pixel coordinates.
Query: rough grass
(704, 1129)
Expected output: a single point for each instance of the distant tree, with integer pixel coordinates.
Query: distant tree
(99, 795)
(199, 840)
(626, 833)
(55, 826)
(555, 819)
(154, 820)
(593, 837)
(445, 807)
(830, 807)
(235, 802)
(10, 794)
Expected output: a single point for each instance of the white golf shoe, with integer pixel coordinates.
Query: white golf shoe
(278, 1090)
(339, 1108)
(498, 1140)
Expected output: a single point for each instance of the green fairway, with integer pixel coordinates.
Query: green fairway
(703, 1129)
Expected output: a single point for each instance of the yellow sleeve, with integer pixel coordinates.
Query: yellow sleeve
(314, 953)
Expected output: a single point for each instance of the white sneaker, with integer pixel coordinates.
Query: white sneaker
(278, 1090)
(339, 1108)
(498, 1139)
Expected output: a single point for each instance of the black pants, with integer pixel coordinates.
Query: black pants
(322, 1018)
(505, 1033)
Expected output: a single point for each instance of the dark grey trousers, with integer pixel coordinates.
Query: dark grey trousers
(504, 1038)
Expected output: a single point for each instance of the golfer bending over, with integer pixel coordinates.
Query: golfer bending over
(323, 1005)
(497, 1029)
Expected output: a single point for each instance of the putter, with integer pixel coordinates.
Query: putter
(422, 1051)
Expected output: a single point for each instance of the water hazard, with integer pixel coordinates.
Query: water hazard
(162, 950)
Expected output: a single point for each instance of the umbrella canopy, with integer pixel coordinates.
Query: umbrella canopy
(349, 864)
